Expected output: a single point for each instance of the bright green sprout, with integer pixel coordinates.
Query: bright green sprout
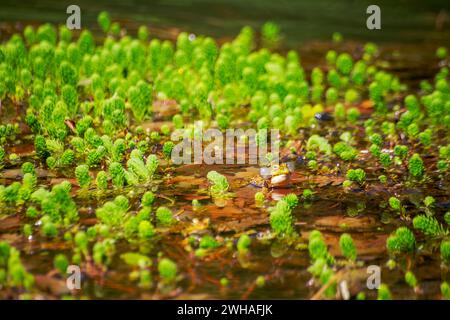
(168, 270)
(357, 175)
(384, 293)
(411, 279)
(445, 290)
(281, 219)
(445, 251)
(61, 263)
(243, 243)
(415, 166)
(347, 246)
(219, 184)
(259, 197)
(402, 240)
(164, 216)
(83, 176)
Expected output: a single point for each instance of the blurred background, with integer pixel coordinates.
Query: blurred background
(412, 21)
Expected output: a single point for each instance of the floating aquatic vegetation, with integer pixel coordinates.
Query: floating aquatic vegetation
(98, 113)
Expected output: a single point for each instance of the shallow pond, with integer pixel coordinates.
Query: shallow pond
(222, 272)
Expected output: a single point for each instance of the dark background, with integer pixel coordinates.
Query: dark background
(410, 21)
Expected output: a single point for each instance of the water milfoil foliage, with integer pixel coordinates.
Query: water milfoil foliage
(87, 176)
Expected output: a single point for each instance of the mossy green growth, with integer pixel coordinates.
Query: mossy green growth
(445, 251)
(318, 143)
(49, 229)
(429, 226)
(347, 246)
(357, 175)
(208, 242)
(384, 293)
(146, 230)
(411, 279)
(259, 197)
(291, 199)
(401, 241)
(219, 184)
(281, 219)
(83, 176)
(395, 204)
(445, 290)
(164, 217)
(415, 166)
(60, 262)
(168, 270)
(317, 247)
(243, 243)
(147, 199)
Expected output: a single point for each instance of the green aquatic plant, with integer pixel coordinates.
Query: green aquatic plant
(383, 179)
(441, 52)
(104, 21)
(57, 205)
(88, 107)
(317, 247)
(259, 197)
(281, 219)
(318, 143)
(307, 194)
(291, 199)
(322, 261)
(208, 242)
(113, 213)
(60, 262)
(243, 243)
(117, 173)
(344, 63)
(219, 184)
(447, 217)
(385, 159)
(146, 230)
(101, 181)
(347, 246)
(445, 290)
(103, 251)
(411, 279)
(384, 293)
(147, 199)
(168, 270)
(415, 166)
(167, 149)
(429, 226)
(83, 176)
(401, 241)
(13, 272)
(357, 175)
(164, 216)
(396, 205)
(345, 151)
(445, 251)
(429, 201)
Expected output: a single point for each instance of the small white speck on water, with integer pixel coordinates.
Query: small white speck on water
(192, 37)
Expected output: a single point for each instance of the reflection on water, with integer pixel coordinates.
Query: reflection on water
(402, 21)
